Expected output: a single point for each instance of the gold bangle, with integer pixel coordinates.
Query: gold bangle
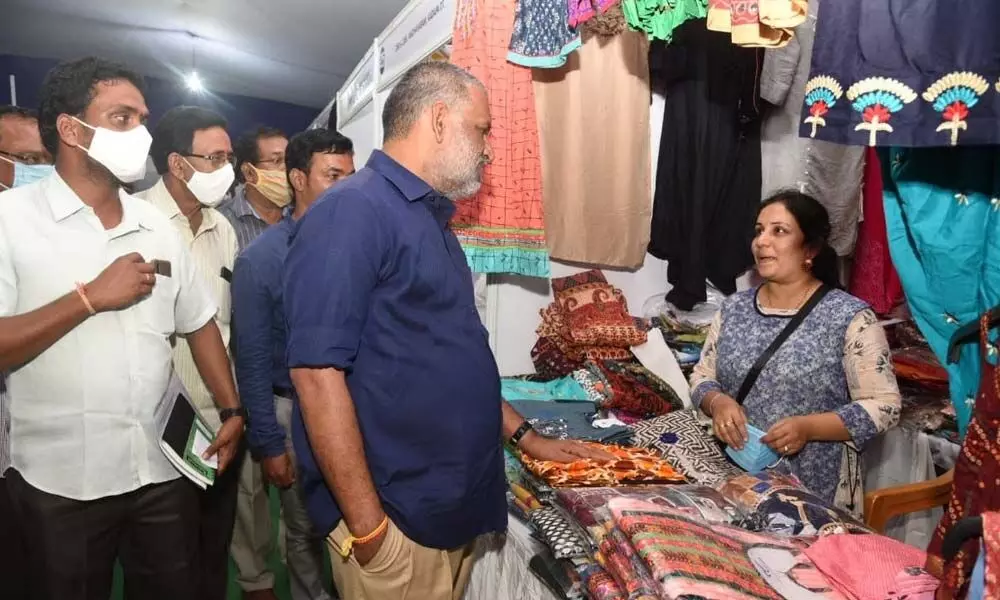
(711, 401)
(348, 546)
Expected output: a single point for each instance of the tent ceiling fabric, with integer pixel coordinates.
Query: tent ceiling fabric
(297, 51)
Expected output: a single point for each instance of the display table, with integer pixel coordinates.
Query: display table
(501, 571)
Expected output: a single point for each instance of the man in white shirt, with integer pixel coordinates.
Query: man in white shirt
(85, 320)
(23, 160)
(194, 157)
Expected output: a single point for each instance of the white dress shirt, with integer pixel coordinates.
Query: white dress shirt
(82, 423)
(213, 250)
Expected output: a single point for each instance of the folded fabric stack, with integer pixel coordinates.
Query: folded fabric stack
(628, 389)
(570, 420)
(685, 334)
(589, 320)
(923, 384)
(779, 504)
(631, 465)
(687, 445)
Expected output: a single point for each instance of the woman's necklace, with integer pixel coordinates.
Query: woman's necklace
(803, 297)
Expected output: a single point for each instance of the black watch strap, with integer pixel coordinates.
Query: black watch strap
(227, 413)
(520, 433)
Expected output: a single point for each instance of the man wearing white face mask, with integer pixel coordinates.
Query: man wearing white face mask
(86, 318)
(193, 155)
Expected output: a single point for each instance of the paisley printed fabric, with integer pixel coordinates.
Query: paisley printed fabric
(599, 583)
(627, 387)
(596, 312)
(687, 446)
(560, 535)
(694, 559)
(784, 507)
(542, 36)
(633, 465)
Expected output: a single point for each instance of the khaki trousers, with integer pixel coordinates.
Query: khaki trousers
(401, 570)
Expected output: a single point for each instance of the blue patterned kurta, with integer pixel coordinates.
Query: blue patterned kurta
(804, 377)
(905, 73)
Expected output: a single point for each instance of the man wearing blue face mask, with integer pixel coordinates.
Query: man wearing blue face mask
(23, 159)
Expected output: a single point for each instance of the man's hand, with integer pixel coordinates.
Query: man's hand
(227, 442)
(564, 451)
(364, 553)
(122, 283)
(278, 470)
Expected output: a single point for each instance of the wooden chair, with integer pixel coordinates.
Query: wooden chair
(883, 505)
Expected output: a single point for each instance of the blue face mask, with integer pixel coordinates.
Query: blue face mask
(25, 174)
(755, 457)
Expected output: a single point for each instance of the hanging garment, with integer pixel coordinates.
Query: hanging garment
(874, 278)
(542, 36)
(501, 229)
(865, 567)
(582, 11)
(941, 211)
(904, 74)
(695, 559)
(659, 18)
(974, 491)
(593, 118)
(831, 173)
(708, 177)
(757, 23)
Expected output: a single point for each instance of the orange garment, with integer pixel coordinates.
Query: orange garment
(501, 229)
(634, 465)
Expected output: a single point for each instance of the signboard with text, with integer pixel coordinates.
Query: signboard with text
(420, 29)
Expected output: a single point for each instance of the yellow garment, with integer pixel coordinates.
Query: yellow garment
(757, 23)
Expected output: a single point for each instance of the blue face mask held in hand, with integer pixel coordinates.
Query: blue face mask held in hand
(755, 457)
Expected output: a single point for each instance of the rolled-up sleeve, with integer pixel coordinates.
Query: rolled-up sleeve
(871, 380)
(253, 309)
(333, 267)
(703, 378)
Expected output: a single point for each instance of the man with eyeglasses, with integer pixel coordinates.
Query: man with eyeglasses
(23, 160)
(194, 157)
(263, 194)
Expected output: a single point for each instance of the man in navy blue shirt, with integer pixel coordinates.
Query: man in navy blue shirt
(314, 161)
(400, 418)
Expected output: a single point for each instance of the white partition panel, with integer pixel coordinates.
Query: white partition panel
(362, 132)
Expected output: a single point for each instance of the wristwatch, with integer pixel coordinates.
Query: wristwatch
(227, 413)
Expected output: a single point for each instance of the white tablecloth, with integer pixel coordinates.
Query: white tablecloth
(501, 571)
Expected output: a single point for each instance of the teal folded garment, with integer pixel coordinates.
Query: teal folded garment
(563, 390)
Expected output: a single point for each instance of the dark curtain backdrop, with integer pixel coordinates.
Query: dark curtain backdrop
(242, 112)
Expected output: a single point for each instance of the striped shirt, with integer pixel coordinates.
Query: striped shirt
(243, 217)
(213, 249)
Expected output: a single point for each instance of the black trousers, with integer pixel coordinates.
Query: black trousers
(72, 545)
(13, 563)
(216, 521)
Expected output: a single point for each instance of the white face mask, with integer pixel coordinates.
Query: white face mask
(211, 188)
(121, 152)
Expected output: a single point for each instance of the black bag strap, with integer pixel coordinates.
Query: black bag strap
(789, 329)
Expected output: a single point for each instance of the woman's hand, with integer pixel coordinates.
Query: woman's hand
(729, 421)
(788, 436)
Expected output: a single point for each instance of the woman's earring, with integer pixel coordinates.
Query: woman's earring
(809, 263)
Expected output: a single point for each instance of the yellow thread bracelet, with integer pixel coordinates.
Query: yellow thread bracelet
(348, 545)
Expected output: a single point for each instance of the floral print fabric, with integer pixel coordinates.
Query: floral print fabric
(627, 387)
(542, 36)
(783, 506)
(632, 465)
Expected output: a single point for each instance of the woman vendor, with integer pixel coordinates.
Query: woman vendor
(830, 387)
